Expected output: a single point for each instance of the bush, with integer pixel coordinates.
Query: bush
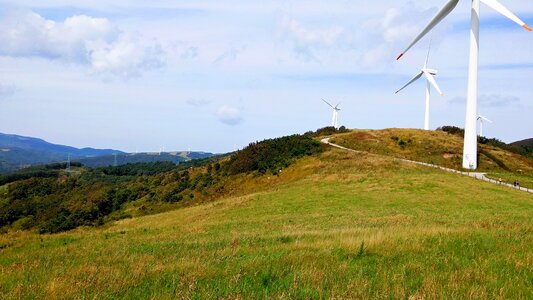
(273, 154)
(61, 222)
(330, 130)
(453, 130)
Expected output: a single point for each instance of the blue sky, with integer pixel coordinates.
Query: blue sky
(216, 75)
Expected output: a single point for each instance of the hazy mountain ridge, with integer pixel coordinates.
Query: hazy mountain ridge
(13, 141)
(17, 152)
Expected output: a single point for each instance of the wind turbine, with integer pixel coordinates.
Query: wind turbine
(482, 119)
(470, 140)
(430, 80)
(335, 118)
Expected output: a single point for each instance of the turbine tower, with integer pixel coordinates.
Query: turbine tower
(430, 80)
(470, 140)
(482, 119)
(335, 118)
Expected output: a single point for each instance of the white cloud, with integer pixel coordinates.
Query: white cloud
(324, 37)
(198, 102)
(229, 115)
(124, 57)
(229, 56)
(78, 39)
(305, 39)
(6, 90)
(190, 53)
(387, 35)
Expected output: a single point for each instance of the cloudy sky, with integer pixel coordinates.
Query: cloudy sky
(216, 75)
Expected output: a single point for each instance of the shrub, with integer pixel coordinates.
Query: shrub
(327, 131)
(273, 154)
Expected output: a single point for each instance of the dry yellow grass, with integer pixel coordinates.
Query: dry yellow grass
(338, 225)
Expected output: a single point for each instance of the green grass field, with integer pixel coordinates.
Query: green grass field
(336, 225)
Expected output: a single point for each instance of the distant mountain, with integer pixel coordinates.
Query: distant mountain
(18, 152)
(11, 141)
(526, 142)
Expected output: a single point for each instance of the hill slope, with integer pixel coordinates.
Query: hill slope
(333, 225)
(440, 148)
(526, 142)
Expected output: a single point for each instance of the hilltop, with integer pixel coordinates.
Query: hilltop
(287, 218)
(439, 147)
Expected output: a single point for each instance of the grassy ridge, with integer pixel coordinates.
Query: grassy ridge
(440, 148)
(336, 224)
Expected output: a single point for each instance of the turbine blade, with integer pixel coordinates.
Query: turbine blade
(443, 13)
(427, 57)
(337, 106)
(328, 103)
(484, 119)
(497, 6)
(412, 80)
(431, 80)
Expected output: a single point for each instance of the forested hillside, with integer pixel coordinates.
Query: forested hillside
(51, 199)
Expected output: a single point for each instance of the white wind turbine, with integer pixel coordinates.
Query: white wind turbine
(470, 140)
(335, 118)
(482, 119)
(430, 80)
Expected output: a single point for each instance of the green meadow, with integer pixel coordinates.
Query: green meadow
(332, 225)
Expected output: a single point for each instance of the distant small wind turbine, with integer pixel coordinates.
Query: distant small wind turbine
(430, 80)
(335, 118)
(482, 119)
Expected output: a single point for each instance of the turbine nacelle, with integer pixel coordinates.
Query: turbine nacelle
(483, 119)
(430, 71)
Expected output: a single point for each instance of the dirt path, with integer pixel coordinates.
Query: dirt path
(480, 176)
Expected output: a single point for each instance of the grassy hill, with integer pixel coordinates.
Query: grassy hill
(332, 224)
(440, 148)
